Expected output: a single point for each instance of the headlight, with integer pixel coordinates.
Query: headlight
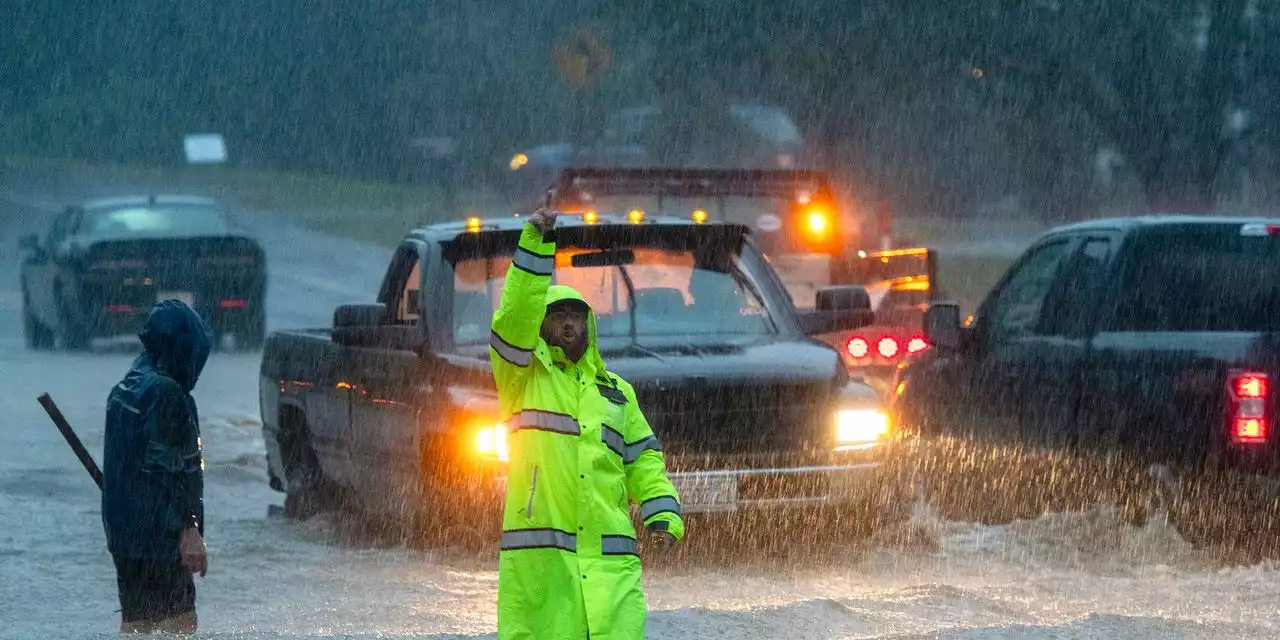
(860, 426)
(491, 442)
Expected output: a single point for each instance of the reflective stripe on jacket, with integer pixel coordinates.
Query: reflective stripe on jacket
(580, 450)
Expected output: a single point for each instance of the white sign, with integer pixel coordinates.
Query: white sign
(205, 148)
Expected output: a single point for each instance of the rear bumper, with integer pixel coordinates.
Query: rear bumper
(111, 308)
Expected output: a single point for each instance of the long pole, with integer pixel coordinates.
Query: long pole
(61, 422)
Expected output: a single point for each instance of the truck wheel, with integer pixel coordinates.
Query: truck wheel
(38, 337)
(307, 491)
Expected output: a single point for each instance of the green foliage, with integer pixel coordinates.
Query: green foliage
(935, 106)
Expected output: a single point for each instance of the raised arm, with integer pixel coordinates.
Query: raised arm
(518, 320)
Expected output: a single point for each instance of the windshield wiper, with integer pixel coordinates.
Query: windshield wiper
(631, 302)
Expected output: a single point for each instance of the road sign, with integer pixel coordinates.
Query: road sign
(205, 148)
(583, 57)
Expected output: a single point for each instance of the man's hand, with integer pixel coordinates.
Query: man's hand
(191, 547)
(662, 540)
(543, 219)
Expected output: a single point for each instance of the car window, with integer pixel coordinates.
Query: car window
(155, 219)
(408, 304)
(1017, 308)
(677, 292)
(1076, 300)
(1201, 280)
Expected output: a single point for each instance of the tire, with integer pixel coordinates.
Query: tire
(307, 491)
(38, 337)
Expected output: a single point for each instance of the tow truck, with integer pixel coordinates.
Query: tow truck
(812, 242)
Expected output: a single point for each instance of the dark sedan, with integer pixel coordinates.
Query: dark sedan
(104, 263)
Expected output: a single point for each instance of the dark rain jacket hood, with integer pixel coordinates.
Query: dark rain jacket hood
(179, 341)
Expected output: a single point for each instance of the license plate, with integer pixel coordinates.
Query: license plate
(707, 493)
(185, 296)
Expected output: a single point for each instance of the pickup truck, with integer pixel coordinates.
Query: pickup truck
(394, 408)
(1151, 342)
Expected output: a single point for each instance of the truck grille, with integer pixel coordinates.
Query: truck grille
(715, 423)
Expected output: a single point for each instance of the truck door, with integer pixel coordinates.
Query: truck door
(387, 380)
(1050, 380)
(1009, 335)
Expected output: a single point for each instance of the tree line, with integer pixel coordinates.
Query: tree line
(1058, 108)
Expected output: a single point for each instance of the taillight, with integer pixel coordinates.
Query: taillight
(232, 303)
(1250, 401)
(1251, 386)
(916, 345)
(857, 347)
(888, 347)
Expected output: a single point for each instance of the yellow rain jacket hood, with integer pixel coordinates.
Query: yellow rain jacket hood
(580, 453)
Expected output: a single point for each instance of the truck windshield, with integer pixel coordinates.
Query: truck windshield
(677, 293)
(1202, 281)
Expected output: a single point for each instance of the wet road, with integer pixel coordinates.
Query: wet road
(1084, 576)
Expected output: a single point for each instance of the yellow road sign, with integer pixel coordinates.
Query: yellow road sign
(583, 57)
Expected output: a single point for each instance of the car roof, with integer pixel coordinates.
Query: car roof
(147, 200)
(1161, 220)
(445, 231)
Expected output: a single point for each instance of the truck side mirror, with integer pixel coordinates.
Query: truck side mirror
(839, 308)
(942, 325)
(363, 315)
(357, 325)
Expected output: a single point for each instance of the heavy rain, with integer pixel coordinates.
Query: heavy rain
(951, 320)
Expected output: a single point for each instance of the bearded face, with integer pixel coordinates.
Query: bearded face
(565, 326)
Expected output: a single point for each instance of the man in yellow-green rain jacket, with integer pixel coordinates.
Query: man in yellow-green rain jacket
(579, 450)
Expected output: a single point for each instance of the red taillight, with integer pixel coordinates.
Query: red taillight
(118, 308)
(888, 347)
(857, 347)
(232, 303)
(916, 345)
(1250, 403)
(1251, 430)
(1251, 386)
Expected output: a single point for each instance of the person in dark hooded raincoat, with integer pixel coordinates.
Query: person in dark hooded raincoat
(581, 451)
(153, 474)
